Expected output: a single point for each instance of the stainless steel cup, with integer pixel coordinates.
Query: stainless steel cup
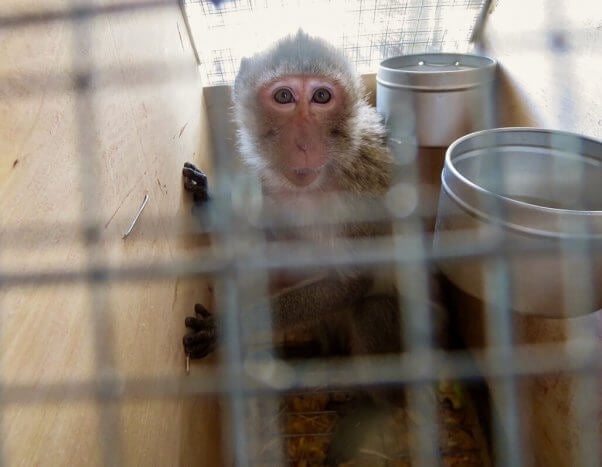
(529, 200)
(433, 99)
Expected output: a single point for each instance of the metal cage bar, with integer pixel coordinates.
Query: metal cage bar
(237, 253)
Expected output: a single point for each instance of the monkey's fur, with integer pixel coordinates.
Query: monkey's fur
(358, 164)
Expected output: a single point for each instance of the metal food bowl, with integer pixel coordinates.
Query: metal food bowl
(432, 99)
(528, 202)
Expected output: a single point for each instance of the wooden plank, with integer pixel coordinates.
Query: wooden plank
(544, 81)
(147, 119)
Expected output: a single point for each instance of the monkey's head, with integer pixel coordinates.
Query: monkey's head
(296, 106)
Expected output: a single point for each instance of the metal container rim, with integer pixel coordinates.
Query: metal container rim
(479, 71)
(479, 190)
(487, 63)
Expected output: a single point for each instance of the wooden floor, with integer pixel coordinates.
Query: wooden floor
(63, 160)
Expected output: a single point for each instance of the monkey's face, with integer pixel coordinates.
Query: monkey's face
(301, 126)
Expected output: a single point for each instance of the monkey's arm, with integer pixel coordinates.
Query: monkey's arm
(313, 299)
(302, 304)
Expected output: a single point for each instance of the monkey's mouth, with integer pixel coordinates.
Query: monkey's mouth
(304, 176)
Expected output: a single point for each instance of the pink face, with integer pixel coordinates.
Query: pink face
(301, 114)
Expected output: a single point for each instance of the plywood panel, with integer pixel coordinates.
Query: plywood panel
(550, 57)
(138, 120)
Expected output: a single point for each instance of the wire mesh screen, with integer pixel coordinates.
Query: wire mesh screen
(368, 31)
(101, 258)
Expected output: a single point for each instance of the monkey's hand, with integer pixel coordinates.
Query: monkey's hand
(195, 181)
(200, 341)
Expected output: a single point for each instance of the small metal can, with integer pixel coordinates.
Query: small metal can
(433, 99)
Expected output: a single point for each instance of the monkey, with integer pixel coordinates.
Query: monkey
(306, 129)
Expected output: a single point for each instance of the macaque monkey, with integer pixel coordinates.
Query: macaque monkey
(306, 129)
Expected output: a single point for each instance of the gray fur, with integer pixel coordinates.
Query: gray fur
(298, 54)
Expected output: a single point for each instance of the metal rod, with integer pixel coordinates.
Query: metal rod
(129, 230)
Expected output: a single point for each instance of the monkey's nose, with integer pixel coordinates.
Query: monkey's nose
(302, 146)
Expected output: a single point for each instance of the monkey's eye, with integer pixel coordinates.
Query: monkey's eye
(283, 96)
(321, 96)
